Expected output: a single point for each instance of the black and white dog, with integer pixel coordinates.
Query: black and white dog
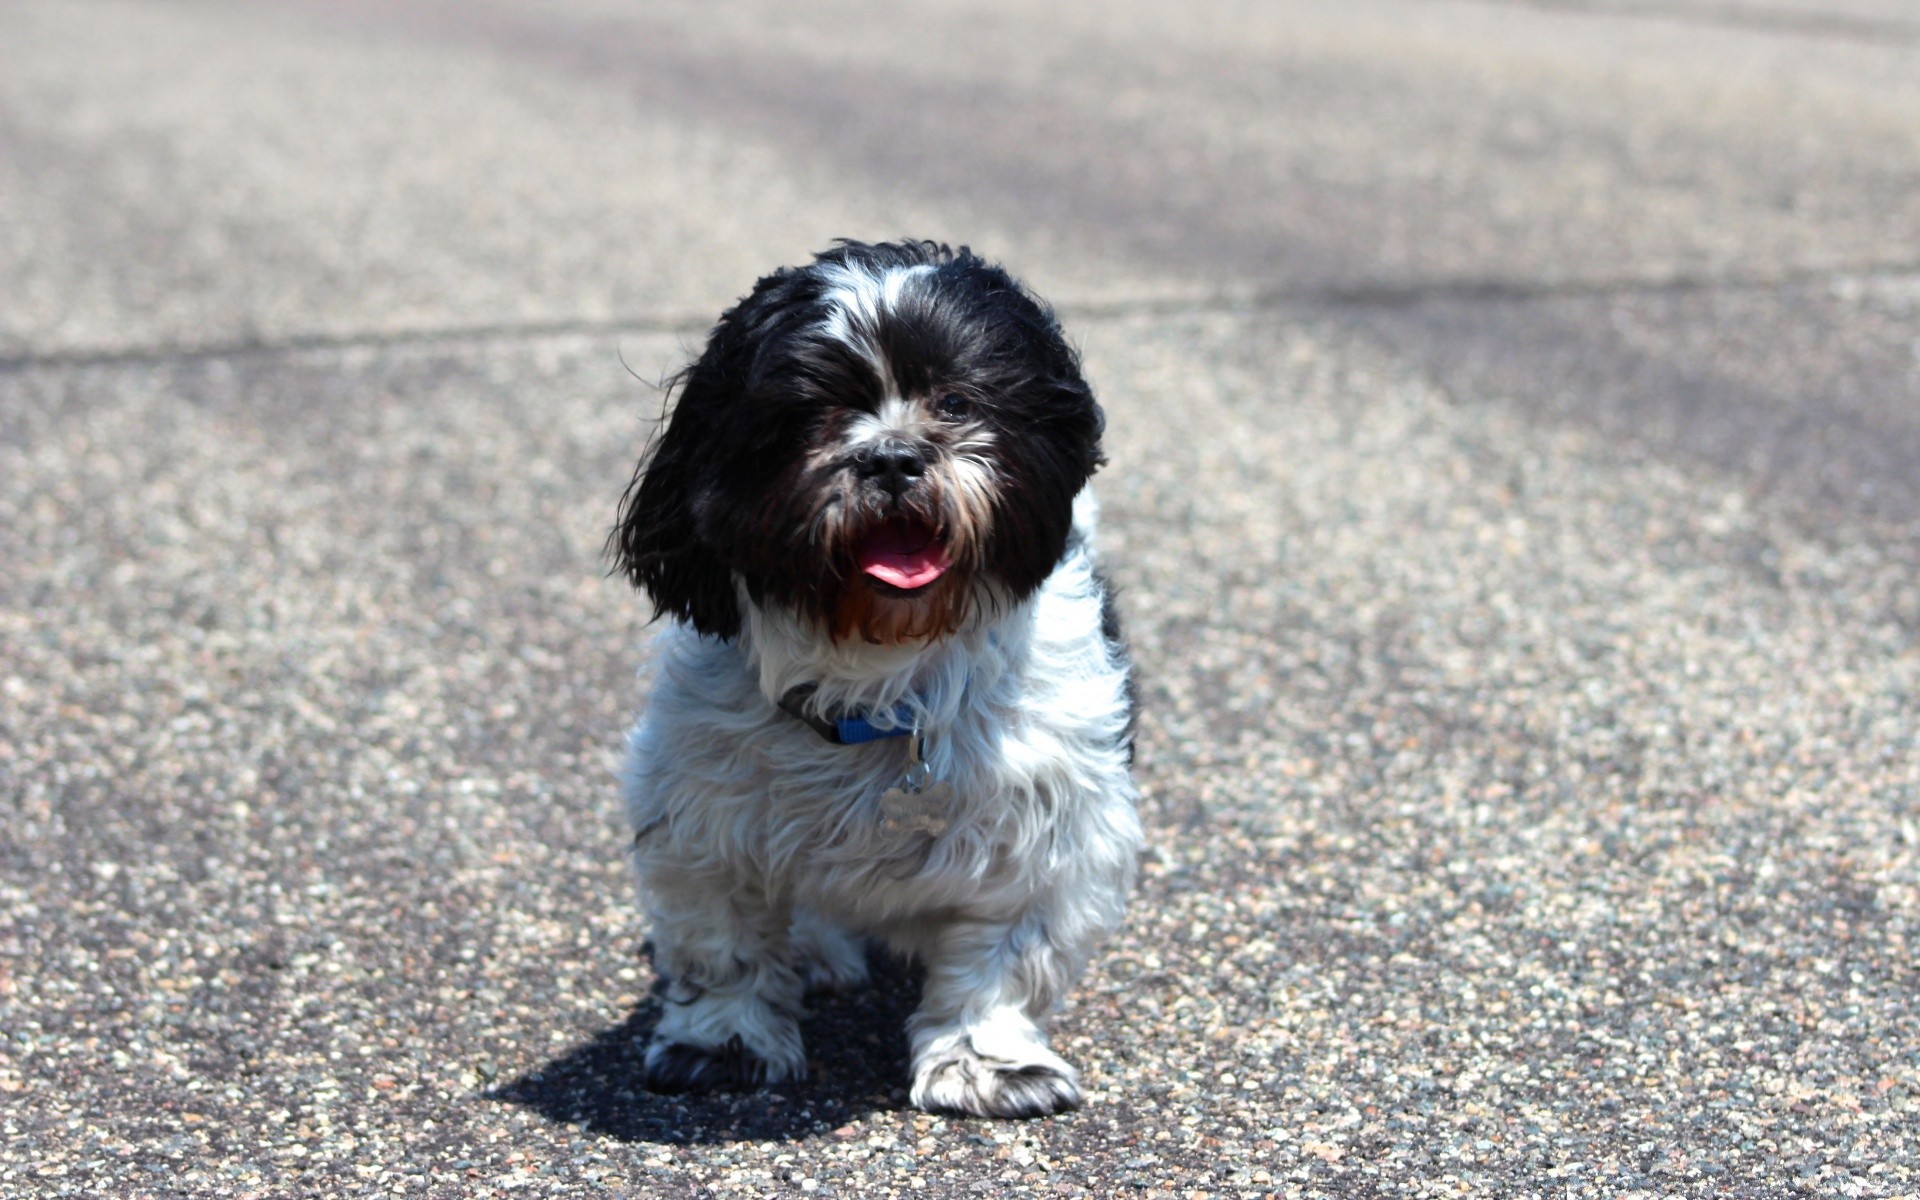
(891, 700)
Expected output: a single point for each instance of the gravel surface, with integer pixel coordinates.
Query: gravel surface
(1515, 419)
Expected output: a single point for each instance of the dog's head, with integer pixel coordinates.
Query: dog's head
(886, 443)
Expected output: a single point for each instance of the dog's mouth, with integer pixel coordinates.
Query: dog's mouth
(903, 554)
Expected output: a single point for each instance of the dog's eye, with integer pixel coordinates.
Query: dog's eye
(953, 404)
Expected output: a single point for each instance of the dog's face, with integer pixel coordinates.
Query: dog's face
(886, 442)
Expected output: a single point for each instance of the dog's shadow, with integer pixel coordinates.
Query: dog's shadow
(856, 1065)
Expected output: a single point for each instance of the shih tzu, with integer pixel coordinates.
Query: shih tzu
(890, 700)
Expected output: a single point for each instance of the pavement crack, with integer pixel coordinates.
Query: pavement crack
(1497, 290)
(1369, 294)
(160, 354)
(1851, 27)
(1391, 294)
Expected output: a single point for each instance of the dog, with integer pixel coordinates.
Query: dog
(890, 699)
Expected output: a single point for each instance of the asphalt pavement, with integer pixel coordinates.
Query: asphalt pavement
(1514, 418)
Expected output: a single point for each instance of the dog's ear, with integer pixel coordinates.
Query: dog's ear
(665, 540)
(657, 542)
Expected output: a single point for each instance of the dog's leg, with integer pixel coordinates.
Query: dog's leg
(976, 1046)
(731, 1017)
(828, 958)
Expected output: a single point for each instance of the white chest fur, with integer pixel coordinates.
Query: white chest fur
(1024, 715)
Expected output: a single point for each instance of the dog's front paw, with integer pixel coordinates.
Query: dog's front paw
(727, 1042)
(989, 1076)
(967, 1083)
(685, 1067)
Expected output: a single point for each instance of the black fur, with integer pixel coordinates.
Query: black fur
(682, 1067)
(726, 489)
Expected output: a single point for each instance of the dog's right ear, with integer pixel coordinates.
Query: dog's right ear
(665, 539)
(659, 541)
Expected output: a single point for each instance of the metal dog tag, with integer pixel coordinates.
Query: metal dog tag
(918, 803)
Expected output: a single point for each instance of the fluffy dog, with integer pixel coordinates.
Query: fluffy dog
(891, 700)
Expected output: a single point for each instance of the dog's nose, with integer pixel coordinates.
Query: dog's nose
(895, 466)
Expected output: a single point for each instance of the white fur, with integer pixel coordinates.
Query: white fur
(860, 298)
(893, 418)
(763, 854)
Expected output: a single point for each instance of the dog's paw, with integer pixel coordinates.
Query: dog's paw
(723, 1041)
(684, 1067)
(961, 1080)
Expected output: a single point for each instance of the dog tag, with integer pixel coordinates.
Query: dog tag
(917, 812)
(918, 803)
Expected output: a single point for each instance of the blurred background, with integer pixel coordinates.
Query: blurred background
(1515, 491)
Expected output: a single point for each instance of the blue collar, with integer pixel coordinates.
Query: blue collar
(843, 729)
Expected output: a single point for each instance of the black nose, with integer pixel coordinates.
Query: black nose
(895, 466)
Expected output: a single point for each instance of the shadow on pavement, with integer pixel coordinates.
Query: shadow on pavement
(856, 1065)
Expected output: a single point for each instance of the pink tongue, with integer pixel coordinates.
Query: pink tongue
(907, 559)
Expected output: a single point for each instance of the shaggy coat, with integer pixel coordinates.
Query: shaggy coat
(871, 500)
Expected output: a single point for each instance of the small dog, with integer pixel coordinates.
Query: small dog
(891, 700)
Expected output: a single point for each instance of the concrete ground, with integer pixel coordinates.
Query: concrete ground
(1515, 485)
